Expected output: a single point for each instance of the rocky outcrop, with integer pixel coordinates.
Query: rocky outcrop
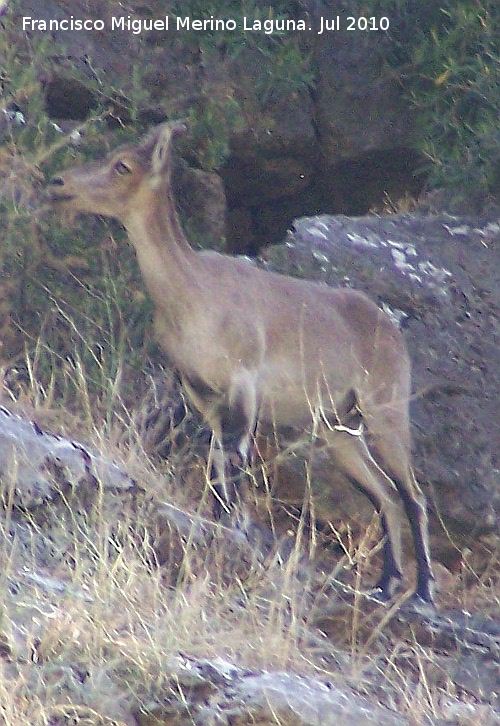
(228, 694)
(37, 467)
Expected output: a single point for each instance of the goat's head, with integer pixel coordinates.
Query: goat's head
(121, 181)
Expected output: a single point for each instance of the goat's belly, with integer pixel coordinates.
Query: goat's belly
(280, 413)
(293, 405)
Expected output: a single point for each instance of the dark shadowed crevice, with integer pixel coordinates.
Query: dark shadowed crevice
(281, 192)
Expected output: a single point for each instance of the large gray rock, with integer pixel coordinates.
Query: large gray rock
(36, 466)
(440, 278)
(243, 697)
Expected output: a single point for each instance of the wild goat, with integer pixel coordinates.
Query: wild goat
(254, 345)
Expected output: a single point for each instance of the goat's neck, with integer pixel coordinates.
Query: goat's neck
(169, 265)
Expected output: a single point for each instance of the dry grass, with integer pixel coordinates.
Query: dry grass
(95, 608)
(91, 623)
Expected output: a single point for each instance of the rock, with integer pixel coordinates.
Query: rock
(359, 108)
(439, 278)
(221, 693)
(201, 203)
(36, 467)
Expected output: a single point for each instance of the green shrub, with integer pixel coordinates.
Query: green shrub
(64, 301)
(447, 58)
(456, 91)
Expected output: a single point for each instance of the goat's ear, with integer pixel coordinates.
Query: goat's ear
(162, 149)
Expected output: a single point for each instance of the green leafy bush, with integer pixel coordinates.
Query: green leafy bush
(447, 57)
(64, 301)
(456, 91)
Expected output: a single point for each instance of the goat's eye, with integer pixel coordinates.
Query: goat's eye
(122, 168)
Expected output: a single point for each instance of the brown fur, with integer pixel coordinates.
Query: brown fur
(250, 344)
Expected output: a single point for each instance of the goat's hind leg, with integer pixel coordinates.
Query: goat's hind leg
(354, 459)
(397, 466)
(390, 438)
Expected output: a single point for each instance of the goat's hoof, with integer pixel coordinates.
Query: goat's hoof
(387, 589)
(380, 595)
(417, 604)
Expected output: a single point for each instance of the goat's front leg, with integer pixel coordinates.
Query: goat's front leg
(226, 468)
(237, 418)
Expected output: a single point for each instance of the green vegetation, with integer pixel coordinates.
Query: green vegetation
(456, 91)
(447, 58)
(73, 309)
